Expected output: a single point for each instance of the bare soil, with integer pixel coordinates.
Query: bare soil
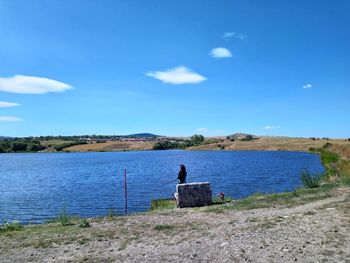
(314, 232)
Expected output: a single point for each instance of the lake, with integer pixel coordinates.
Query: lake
(36, 187)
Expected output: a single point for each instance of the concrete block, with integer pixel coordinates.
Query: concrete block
(193, 194)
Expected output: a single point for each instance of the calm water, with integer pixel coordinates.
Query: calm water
(36, 187)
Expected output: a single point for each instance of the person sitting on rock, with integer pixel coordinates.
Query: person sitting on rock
(182, 174)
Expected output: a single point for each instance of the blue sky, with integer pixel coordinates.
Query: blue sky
(175, 67)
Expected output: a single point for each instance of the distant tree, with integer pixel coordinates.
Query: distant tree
(18, 146)
(164, 145)
(248, 137)
(197, 139)
(34, 147)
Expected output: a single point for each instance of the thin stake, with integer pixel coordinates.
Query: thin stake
(126, 193)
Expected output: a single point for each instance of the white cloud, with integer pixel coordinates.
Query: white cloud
(272, 127)
(202, 129)
(177, 75)
(9, 119)
(307, 86)
(228, 35)
(4, 104)
(220, 52)
(31, 85)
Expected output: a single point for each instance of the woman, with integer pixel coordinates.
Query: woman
(182, 174)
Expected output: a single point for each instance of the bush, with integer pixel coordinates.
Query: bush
(309, 180)
(328, 157)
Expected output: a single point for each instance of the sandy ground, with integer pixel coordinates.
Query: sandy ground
(315, 232)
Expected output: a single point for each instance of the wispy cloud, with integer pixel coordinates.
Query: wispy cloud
(307, 86)
(228, 35)
(128, 93)
(31, 85)
(220, 52)
(202, 129)
(4, 104)
(177, 75)
(9, 119)
(272, 127)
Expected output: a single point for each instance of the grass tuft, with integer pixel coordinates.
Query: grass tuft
(8, 226)
(163, 227)
(309, 180)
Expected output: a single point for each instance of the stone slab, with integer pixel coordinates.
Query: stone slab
(193, 194)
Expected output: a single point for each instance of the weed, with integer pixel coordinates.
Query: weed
(162, 227)
(64, 218)
(111, 213)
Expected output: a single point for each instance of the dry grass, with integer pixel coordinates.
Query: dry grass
(111, 146)
(279, 143)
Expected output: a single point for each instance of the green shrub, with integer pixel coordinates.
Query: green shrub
(328, 157)
(309, 180)
(84, 223)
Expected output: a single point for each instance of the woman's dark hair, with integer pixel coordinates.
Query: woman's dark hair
(182, 168)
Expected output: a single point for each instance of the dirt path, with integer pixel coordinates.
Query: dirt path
(315, 232)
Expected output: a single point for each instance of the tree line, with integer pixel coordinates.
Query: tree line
(194, 140)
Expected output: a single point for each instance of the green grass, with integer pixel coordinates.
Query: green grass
(161, 204)
(288, 199)
(8, 226)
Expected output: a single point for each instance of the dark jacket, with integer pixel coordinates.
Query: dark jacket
(182, 177)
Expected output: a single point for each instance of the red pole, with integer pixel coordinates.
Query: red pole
(126, 193)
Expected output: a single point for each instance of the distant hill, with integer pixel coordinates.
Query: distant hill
(242, 136)
(4, 137)
(142, 135)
